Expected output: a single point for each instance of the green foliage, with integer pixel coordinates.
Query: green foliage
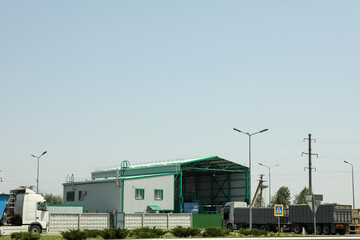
(300, 198)
(30, 236)
(215, 232)
(282, 196)
(271, 234)
(114, 233)
(259, 202)
(252, 232)
(181, 232)
(53, 199)
(92, 233)
(74, 235)
(25, 236)
(147, 232)
(16, 235)
(29, 187)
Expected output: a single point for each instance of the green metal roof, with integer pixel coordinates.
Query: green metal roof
(114, 179)
(155, 208)
(209, 163)
(213, 164)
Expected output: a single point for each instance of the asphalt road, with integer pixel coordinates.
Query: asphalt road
(306, 237)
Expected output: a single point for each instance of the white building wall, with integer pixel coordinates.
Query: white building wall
(100, 197)
(149, 184)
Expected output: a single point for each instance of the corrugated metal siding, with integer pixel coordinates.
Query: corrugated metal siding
(100, 197)
(326, 213)
(165, 183)
(259, 216)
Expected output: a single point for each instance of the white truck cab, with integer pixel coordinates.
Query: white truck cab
(27, 209)
(228, 214)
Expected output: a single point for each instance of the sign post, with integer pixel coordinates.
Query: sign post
(314, 201)
(278, 212)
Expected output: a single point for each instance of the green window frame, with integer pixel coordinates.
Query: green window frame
(81, 195)
(139, 194)
(70, 196)
(158, 194)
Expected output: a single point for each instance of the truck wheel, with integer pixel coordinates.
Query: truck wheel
(326, 230)
(263, 228)
(229, 226)
(35, 229)
(318, 230)
(342, 231)
(297, 229)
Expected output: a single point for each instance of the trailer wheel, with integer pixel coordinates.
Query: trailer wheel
(229, 226)
(326, 230)
(35, 229)
(263, 228)
(297, 229)
(342, 231)
(318, 230)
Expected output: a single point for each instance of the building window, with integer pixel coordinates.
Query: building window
(158, 195)
(81, 195)
(70, 196)
(139, 194)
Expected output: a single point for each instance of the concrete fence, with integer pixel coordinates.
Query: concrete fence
(68, 221)
(158, 220)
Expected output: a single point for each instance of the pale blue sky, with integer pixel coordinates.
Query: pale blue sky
(97, 82)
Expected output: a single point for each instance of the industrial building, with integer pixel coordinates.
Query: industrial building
(202, 185)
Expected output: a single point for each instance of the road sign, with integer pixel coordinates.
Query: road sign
(316, 198)
(278, 210)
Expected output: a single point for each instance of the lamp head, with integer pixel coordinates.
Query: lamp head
(237, 130)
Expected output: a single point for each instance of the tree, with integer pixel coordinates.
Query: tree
(282, 196)
(259, 202)
(300, 198)
(53, 199)
(29, 187)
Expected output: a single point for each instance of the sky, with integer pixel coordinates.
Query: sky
(94, 83)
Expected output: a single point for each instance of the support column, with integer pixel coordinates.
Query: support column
(180, 193)
(229, 187)
(247, 187)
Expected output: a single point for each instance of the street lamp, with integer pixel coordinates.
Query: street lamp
(352, 174)
(37, 180)
(269, 177)
(250, 134)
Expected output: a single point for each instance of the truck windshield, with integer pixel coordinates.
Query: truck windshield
(41, 206)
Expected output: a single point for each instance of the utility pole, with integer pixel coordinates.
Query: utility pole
(310, 165)
(259, 191)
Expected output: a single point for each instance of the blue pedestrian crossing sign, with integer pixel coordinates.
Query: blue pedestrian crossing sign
(278, 210)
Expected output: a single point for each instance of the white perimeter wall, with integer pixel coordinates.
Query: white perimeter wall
(149, 184)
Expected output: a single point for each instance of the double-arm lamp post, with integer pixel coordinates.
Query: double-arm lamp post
(249, 178)
(269, 178)
(37, 179)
